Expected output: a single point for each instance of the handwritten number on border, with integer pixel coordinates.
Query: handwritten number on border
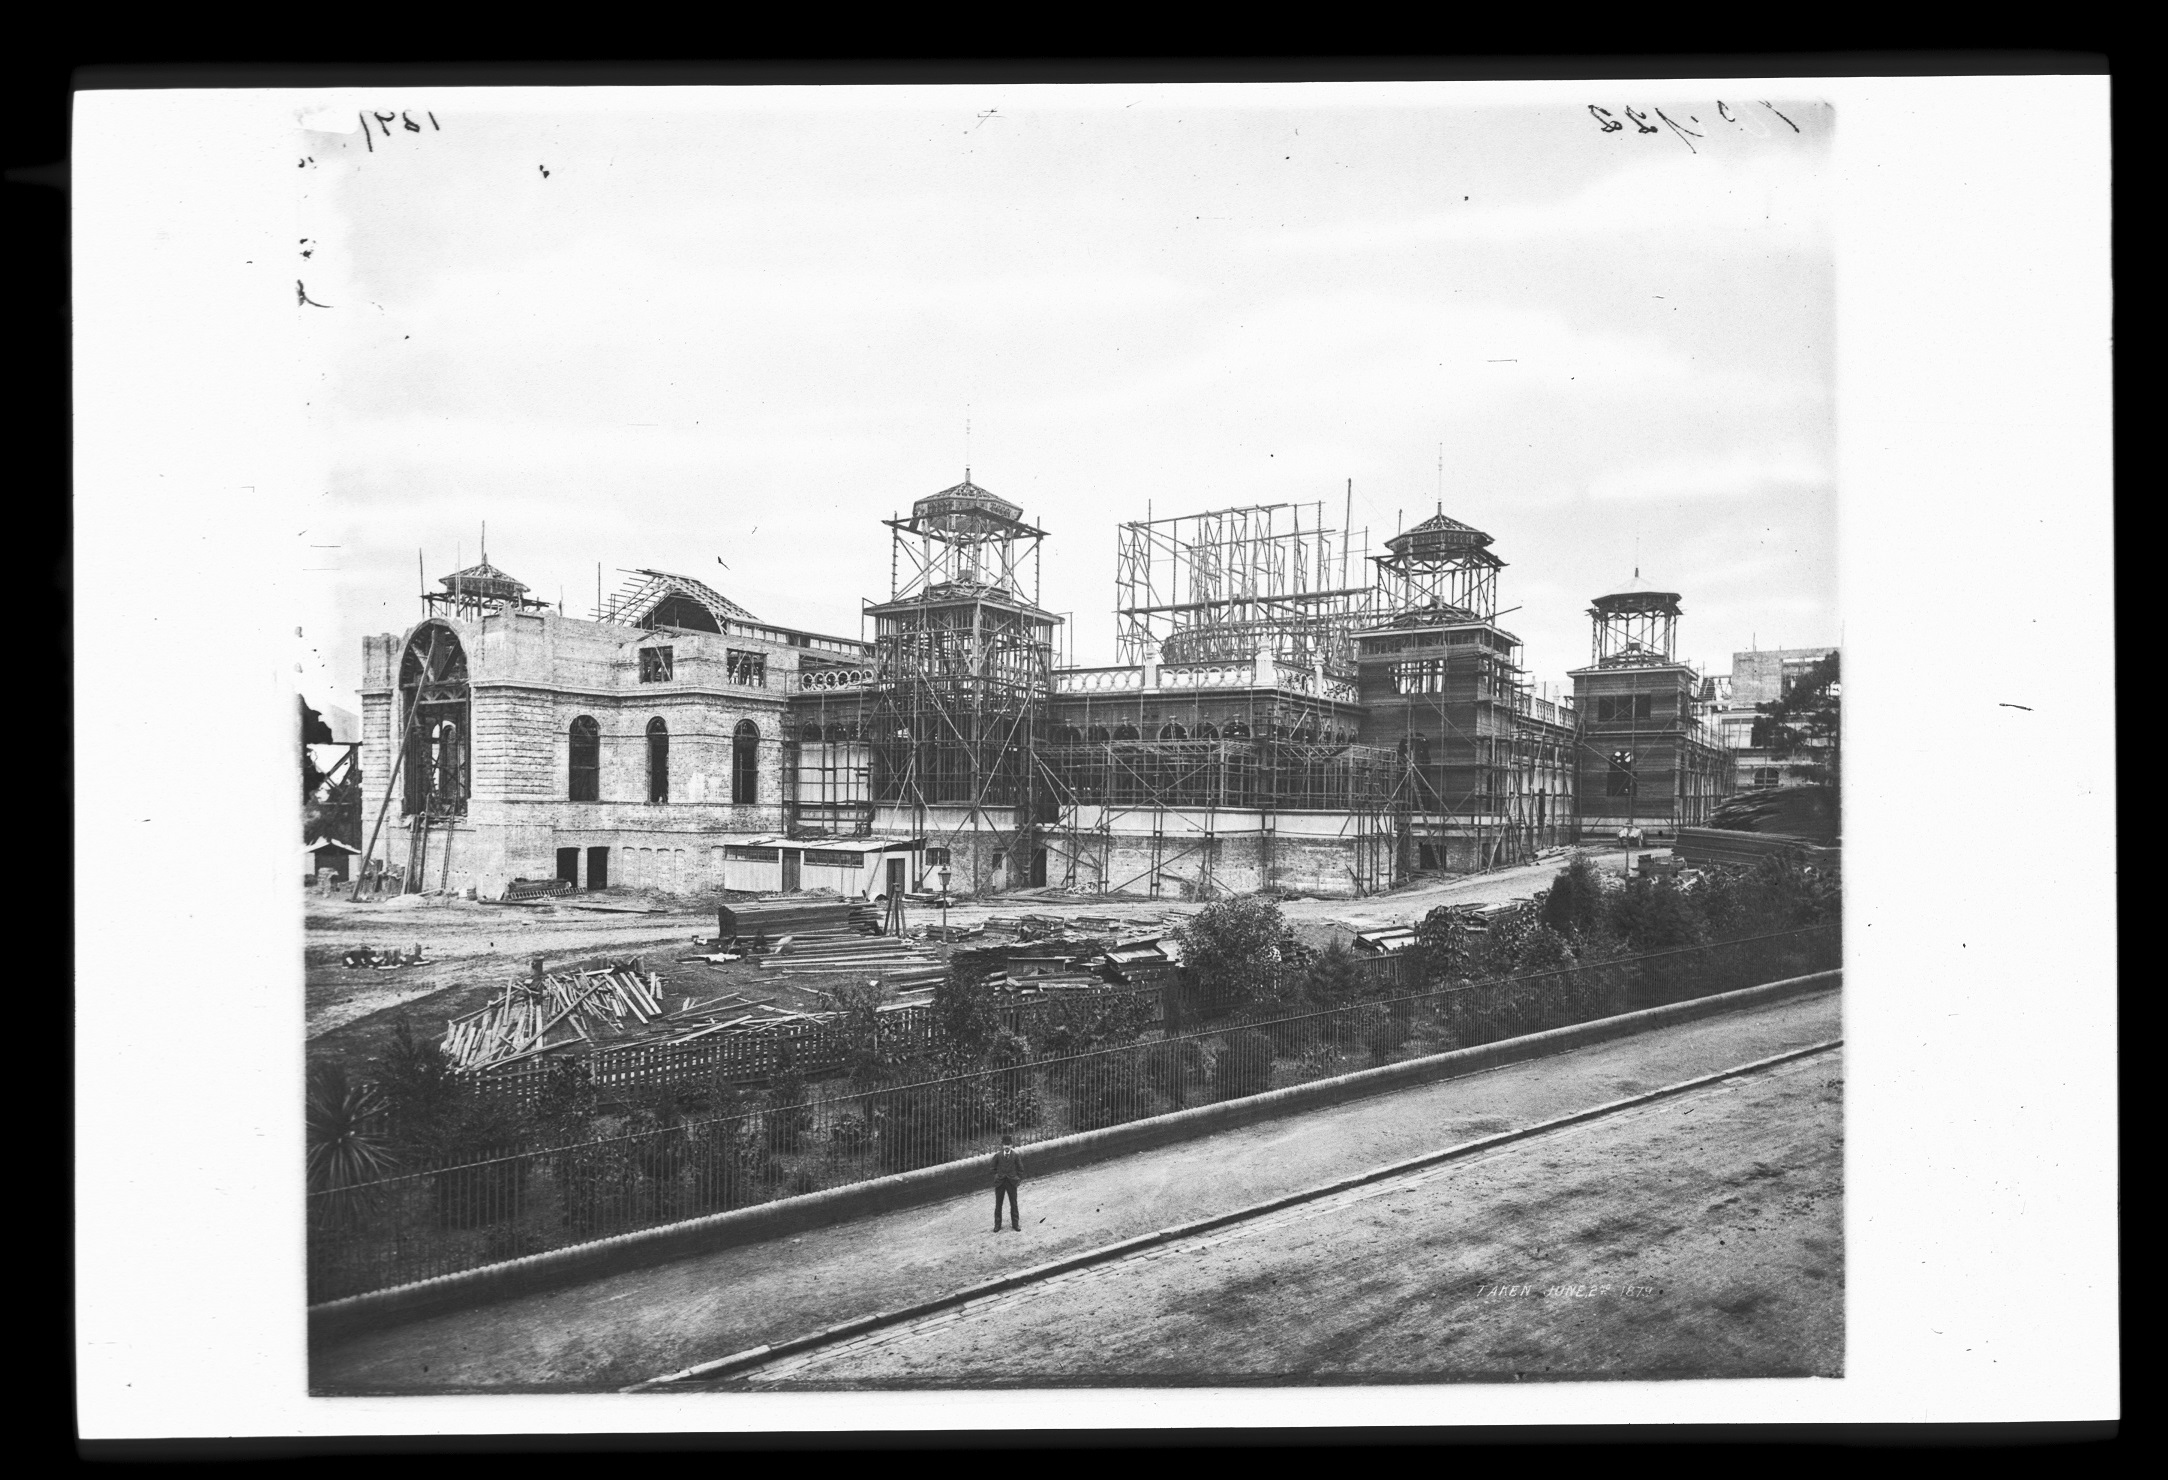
(384, 121)
(1609, 123)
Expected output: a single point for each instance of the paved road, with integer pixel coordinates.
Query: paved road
(1695, 1237)
(645, 1323)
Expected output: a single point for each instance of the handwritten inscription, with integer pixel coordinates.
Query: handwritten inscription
(405, 120)
(1741, 118)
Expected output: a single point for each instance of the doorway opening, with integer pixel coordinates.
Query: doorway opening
(568, 866)
(598, 868)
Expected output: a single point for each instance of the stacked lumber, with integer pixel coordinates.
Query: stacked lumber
(899, 962)
(804, 918)
(1701, 846)
(536, 1014)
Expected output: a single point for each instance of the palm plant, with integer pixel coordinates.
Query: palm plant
(343, 1153)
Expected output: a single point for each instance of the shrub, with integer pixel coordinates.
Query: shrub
(1231, 949)
(1080, 1022)
(1173, 1069)
(1444, 943)
(722, 1178)
(1385, 1035)
(1334, 980)
(418, 1085)
(1105, 1089)
(564, 1108)
(964, 1011)
(915, 1126)
(1245, 1067)
(870, 1053)
(1010, 1098)
(1574, 904)
(850, 1136)
(787, 1111)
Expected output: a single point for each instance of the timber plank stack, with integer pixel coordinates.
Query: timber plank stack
(806, 919)
(1710, 845)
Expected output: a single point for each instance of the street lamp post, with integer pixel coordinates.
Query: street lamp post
(943, 874)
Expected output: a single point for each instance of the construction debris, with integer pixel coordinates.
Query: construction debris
(522, 891)
(366, 956)
(579, 1009)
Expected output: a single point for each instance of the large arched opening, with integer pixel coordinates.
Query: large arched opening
(436, 709)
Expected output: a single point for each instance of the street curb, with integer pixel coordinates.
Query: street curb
(557, 1268)
(761, 1356)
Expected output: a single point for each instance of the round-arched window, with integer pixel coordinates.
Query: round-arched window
(586, 777)
(745, 763)
(658, 760)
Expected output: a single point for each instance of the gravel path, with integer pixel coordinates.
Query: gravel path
(1697, 1237)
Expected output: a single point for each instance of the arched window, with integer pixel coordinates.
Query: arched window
(810, 731)
(1071, 735)
(1208, 732)
(1126, 732)
(450, 760)
(1096, 735)
(586, 761)
(745, 763)
(1238, 731)
(1620, 782)
(658, 760)
(838, 733)
(1172, 731)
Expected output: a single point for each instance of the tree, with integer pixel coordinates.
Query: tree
(963, 1008)
(1805, 722)
(1334, 978)
(869, 1054)
(1231, 949)
(1574, 903)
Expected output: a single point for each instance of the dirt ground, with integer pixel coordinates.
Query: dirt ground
(469, 949)
(644, 1323)
(1694, 1238)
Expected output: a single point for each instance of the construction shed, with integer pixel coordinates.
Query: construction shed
(866, 868)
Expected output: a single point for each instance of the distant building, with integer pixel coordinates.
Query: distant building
(1731, 707)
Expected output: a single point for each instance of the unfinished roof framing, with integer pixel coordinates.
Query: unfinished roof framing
(1231, 583)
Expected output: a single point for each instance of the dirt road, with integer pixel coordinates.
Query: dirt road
(1695, 1237)
(646, 1323)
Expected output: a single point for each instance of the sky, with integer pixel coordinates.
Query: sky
(727, 334)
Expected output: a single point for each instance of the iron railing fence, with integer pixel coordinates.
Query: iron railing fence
(657, 1167)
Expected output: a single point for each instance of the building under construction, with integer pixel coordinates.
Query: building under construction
(1646, 761)
(1290, 712)
(1489, 766)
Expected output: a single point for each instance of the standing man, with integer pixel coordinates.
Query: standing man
(1008, 1171)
